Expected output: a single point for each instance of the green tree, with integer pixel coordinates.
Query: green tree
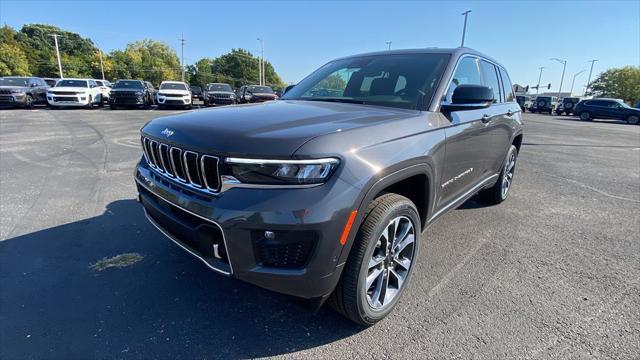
(13, 60)
(620, 83)
(147, 59)
(239, 67)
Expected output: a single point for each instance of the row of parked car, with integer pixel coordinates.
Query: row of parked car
(17, 91)
(587, 109)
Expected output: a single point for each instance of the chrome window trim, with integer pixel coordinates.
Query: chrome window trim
(177, 242)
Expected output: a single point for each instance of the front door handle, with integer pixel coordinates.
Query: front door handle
(486, 118)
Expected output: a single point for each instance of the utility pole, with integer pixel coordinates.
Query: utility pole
(261, 63)
(539, 78)
(182, 55)
(464, 29)
(101, 65)
(574, 80)
(564, 67)
(55, 38)
(589, 79)
(388, 44)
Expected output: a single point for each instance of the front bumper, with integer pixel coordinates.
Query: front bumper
(126, 100)
(305, 222)
(12, 100)
(67, 100)
(174, 101)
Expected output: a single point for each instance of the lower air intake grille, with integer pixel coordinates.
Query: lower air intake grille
(289, 250)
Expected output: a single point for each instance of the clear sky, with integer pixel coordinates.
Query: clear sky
(300, 36)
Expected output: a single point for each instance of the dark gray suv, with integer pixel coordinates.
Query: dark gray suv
(325, 194)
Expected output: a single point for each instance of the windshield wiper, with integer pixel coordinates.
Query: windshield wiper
(338, 100)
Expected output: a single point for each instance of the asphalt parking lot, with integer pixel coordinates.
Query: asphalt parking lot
(554, 272)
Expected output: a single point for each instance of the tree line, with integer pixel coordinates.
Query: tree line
(31, 52)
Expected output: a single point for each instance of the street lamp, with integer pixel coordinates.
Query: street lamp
(574, 80)
(564, 67)
(539, 78)
(586, 88)
(261, 62)
(464, 29)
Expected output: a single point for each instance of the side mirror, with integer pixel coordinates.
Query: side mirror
(470, 97)
(33, 85)
(287, 88)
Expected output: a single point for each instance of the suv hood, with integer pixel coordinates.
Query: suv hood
(127, 90)
(275, 129)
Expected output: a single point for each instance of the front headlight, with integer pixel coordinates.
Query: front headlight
(232, 96)
(17, 91)
(281, 172)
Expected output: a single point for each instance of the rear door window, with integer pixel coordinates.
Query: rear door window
(507, 87)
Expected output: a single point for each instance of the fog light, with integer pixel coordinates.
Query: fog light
(269, 235)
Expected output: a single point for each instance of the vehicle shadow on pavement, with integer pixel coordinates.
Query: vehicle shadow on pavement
(168, 305)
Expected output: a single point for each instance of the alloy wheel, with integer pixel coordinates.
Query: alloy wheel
(390, 262)
(508, 174)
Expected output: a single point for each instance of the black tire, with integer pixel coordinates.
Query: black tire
(495, 194)
(633, 120)
(28, 102)
(350, 296)
(90, 103)
(161, 107)
(101, 103)
(585, 116)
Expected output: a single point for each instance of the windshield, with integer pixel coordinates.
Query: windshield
(541, 98)
(172, 86)
(13, 82)
(402, 81)
(72, 83)
(124, 84)
(260, 89)
(196, 88)
(219, 87)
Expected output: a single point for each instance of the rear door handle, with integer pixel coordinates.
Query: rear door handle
(486, 118)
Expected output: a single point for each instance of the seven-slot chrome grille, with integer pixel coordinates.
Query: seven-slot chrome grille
(191, 168)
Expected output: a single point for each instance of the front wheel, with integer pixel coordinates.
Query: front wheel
(28, 102)
(499, 192)
(585, 116)
(89, 103)
(101, 102)
(633, 120)
(380, 262)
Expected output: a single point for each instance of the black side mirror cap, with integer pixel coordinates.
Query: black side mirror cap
(470, 97)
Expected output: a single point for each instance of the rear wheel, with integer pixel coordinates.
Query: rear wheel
(380, 262)
(499, 192)
(633, 120)
(585, 116)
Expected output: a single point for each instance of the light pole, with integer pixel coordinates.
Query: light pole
(182, 55)
(564, 67)
(586, 88)
(539, 78)
(574, 80)
(464, 29)
(55, 38)
(388, 44)
(261, 62)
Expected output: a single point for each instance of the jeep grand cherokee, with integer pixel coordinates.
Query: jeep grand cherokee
(325, 194)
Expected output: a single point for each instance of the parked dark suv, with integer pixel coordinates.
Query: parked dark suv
(255, 94)
(326, 197)
(607, 109)
(218, 94)
(131, 93)
(543, 104)
(24, 92)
